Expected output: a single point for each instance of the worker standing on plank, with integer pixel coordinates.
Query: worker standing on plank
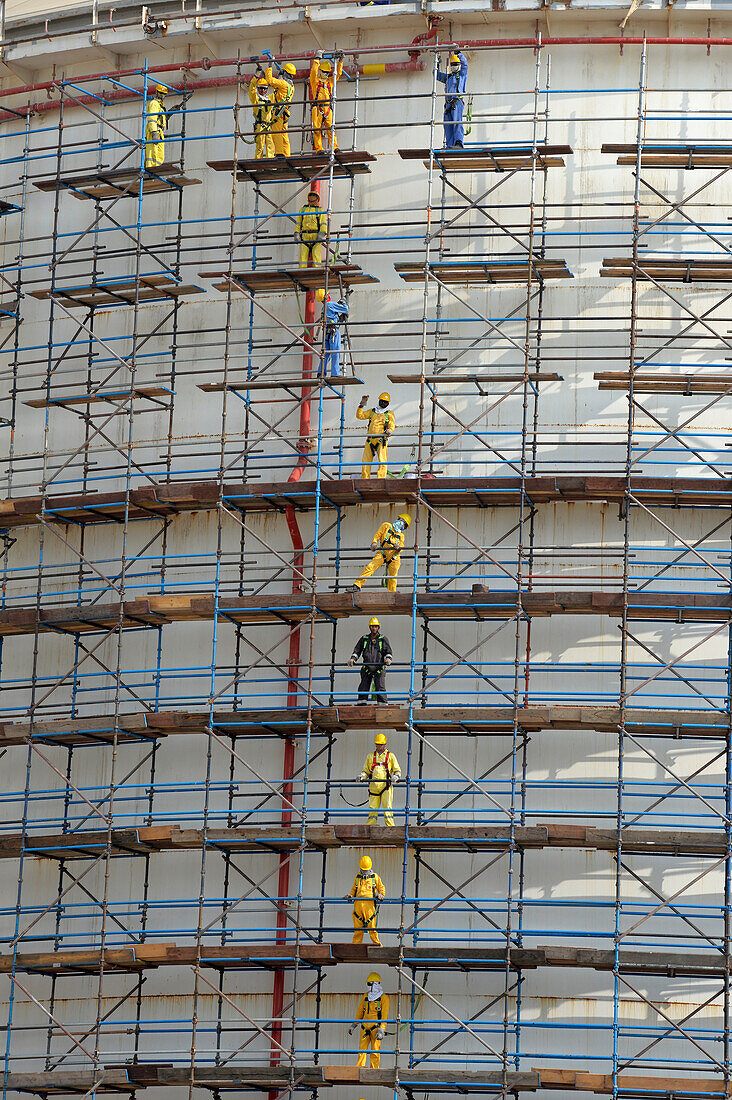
(322, 89)
(367, 891)
(372, 1014)
(284, 90)
(456, 82)
(156, 123)
(387, 546)
(381, 425)
(381, 771)
(374, 649)
(334, 315)
(312, 229)
(261, 98)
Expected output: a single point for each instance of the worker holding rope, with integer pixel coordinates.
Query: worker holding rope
(367, 891)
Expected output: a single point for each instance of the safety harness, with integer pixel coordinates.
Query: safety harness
(375, 915)
(391, 538)
(282, 108)
(373, 440)
(370, 1026)
(381, 764)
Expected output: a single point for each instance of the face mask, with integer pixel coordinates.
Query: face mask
(375, 991)
(383, 404)
(399, 526)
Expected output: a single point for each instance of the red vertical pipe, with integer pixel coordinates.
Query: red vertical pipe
(293, 667)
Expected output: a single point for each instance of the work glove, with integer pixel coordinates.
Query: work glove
(374, 546)
(351, 1029)
(361, 778)
(348, 897)
(319, 55)
(395, 779)
(387, 659)
(364, 399)
(379, 897)
(352, 660)
(339, 55)
(380, 1033)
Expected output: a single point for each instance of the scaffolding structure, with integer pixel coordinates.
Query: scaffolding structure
(177, 609)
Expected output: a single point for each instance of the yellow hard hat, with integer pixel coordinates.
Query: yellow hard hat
(162, 89)
(326, 66)
(365, 863)
(454, 59)
(262, 81)
(385, 397)
(407, 519)
(320, 295)
(380, 739)
(289, 68)
(374, 622)
(373, 977)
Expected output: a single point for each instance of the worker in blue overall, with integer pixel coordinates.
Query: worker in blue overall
(456, 82)
(334, 314)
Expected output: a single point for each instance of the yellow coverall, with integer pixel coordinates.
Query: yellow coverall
(376, 441)
(381, 764)
(284, 91)
(374, 1015)
(321, 111)
(263, 111)
(390, 544)
(364, 907)
(311, 230)
(156, 123)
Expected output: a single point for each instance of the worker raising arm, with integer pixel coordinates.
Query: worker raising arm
(456, 83)
(284, 90)
(381, 425)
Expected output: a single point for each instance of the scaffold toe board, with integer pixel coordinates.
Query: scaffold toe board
(491, 158)
(87, 844)
(477, 606)
(314, 383)
(346, 163)
(290, 278)
(239, 957)
(679, 270)
(302, 1077)
(687, 384)
(475, 272)
(490, 377)
(118, 182)
(434, 721)
(673, 156)
(100, 396)
(444, 492)
(120, 292)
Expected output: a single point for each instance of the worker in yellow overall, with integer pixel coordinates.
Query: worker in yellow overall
(381, 771)
(156, 123)
(387, 546)
(261, 98)
(311, 232)
(322, 87)
(381, 425)
(284, 90)
(372, 1015)
(367, 891)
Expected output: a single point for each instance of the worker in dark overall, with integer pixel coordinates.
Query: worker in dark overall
(456, 83)
(375, 652)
